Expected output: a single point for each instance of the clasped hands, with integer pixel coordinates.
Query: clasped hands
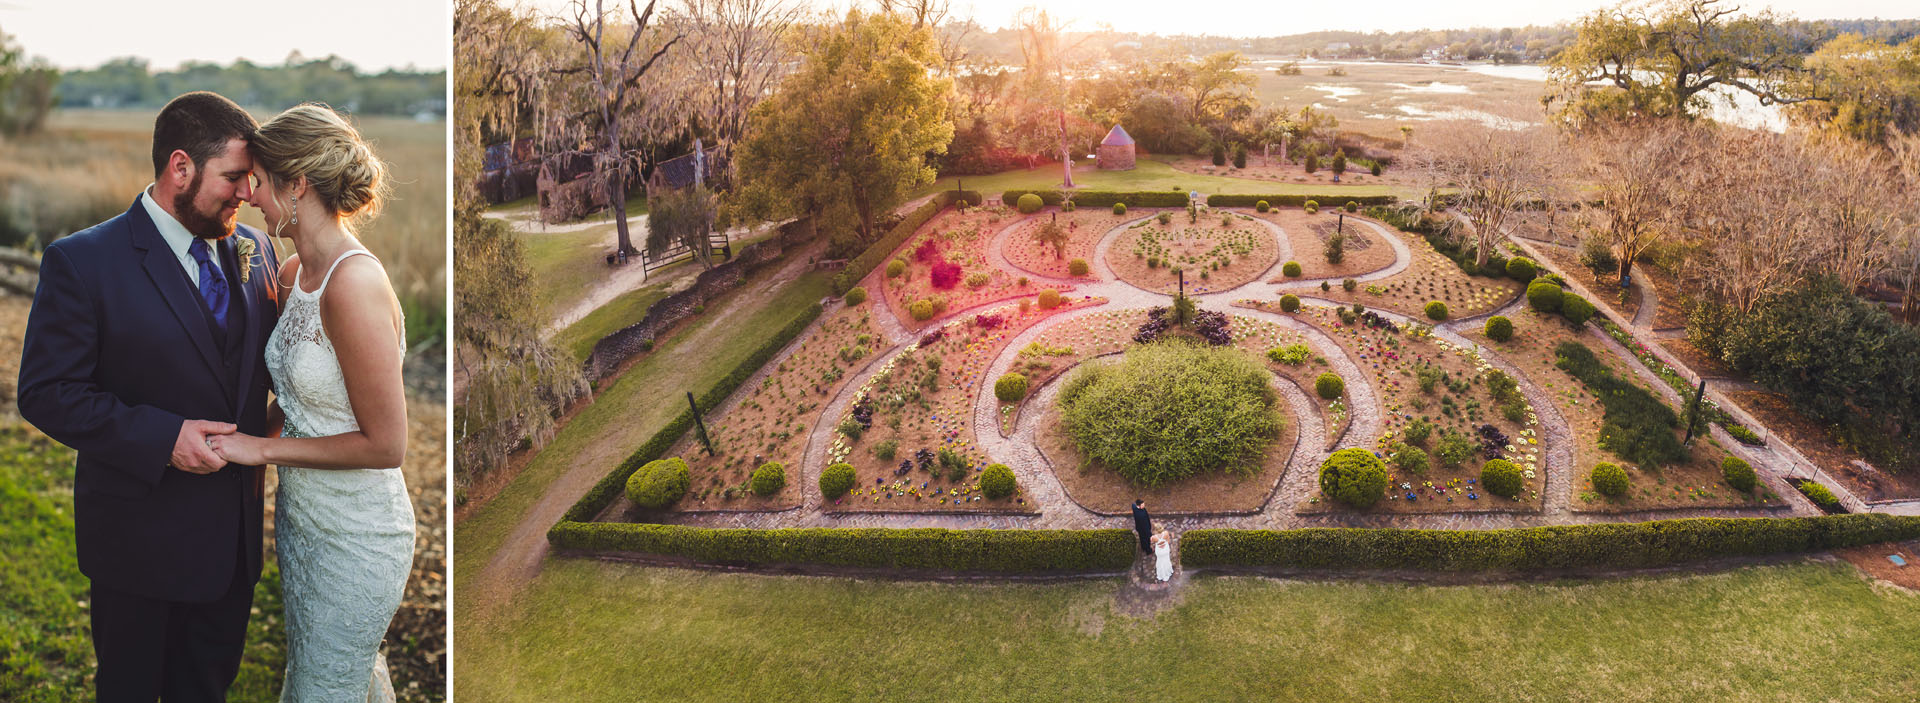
(205, 446)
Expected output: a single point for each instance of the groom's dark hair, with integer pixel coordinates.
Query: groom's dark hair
(199, 123)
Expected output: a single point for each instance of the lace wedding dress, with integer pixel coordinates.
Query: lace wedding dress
(345, 537)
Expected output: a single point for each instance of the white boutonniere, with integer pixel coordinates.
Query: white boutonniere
(246, 248)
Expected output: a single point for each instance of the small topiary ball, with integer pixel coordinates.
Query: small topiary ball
(769, 478)
(921, 309)
(1544, 296)
(1291, 269)
(836, 480)
(1077, 267)
(1355, 477)
(895, 268)
(1499, 328)
(1311, 206)
(1410, 459)
(1738, 473)
(1010, 388)
(659, 483)
(1500, 477)
(1290, 303)
(1029, 203)
(1436, 310)
(1119, 208)
(1576, 309)
(1352, 206)
(1329, 385)
(1349, 284)
(997, 481)
(1609, 479)
(1522, 269)
(855, 296)
(1049, 299)
(1262, 206)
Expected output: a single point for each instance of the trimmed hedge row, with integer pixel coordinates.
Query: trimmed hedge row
(1604, 546)
(1228, 200)
(1003, 551)
(610, 487)
(864, 264)
(1105, 198)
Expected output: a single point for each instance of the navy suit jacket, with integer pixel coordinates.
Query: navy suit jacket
(119, 352)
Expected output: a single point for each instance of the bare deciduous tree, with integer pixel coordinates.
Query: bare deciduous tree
(1748, 226)
(1496, 173)
(736, 55)
(1633, 168)
(613, 85)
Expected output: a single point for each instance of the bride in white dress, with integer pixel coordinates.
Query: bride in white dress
(343, 523)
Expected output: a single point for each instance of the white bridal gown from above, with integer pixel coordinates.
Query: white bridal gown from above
(345, 537)
(1162, 557)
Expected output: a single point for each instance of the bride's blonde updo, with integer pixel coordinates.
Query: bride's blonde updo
(312, 140)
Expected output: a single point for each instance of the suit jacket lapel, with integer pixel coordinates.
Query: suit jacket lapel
(176, 289)
(248, 295)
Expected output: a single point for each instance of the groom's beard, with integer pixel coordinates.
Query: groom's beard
(201, 224)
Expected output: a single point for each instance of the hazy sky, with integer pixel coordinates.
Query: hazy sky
(372, 34)
(1270, 18)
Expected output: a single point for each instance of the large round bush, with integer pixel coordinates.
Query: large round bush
(1077, 267)
(1738, 473)
(1029, 203)
(1521, 268)
(1049, 299)
(1436, 310)
(1500, 477)
(1609, 479)
(1499, 328)
(659, 483)
(836, 480)
(1291, 269)
(1119, 208)
(1170, 410)
(1329, 385)
(895, 268)
(1355, 477)
(921, 309)
(1262, 206)
(769, 478)
(855, 296)
(1544, 296)
(997, 481)
(1290, 303)
(1010, 388)
(1576, 309)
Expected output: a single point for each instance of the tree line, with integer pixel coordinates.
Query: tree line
(132, 83)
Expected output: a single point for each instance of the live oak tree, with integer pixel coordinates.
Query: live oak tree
(1658, 59)
(611, 82)
(846, 137)
(1873, 88)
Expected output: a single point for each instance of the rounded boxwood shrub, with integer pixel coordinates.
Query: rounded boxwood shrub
(1355, 477)
(1311, 205)
(836, 480)
(1410, 458)
(1576, 309)
(1262, 206)
(1119, 208)
(1544, 296)
(1291, 269)
(1329, 385)
(1554, 278)
(1010, 388)
(855, 296)
(997, 481)
(895, 268)
(1170, 410)
(1521, 268)
(1738, 473)
(1077, 267)
(1609, 479)
(1499, 328)
(1436, 310)
(1500, 477)
(1290, 303)
(1049, 299)
(769, 478)
(659, 483)
(1029, 203)
(1349, 284)
(1352, 206)
(921, 309)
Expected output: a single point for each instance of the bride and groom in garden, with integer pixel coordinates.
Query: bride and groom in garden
(153, 343)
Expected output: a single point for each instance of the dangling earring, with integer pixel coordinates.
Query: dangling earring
(293, 206)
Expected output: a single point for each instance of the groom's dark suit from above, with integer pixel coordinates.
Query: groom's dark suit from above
(121, 348)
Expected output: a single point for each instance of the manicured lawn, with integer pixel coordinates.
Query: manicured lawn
(1150, 173)
(638, 404)
(565, 264)
(627, 309)
(588, 630)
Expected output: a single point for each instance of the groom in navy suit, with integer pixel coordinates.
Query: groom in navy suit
(147, 335)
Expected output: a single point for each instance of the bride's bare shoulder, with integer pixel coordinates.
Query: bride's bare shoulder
(289, 270)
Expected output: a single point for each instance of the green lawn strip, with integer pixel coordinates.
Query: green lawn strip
(627, 309)
(638, 404)
(587, 630)
(1152, 173)
(564, 265)
(46, 650)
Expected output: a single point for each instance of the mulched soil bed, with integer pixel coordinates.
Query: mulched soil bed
(917, 407)
(1429, 276)
(960, 237)
(1307, 236)
(1085, 227)
(1872, 560)
(1780, 417)
(1699, 361)
(1248, 247)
